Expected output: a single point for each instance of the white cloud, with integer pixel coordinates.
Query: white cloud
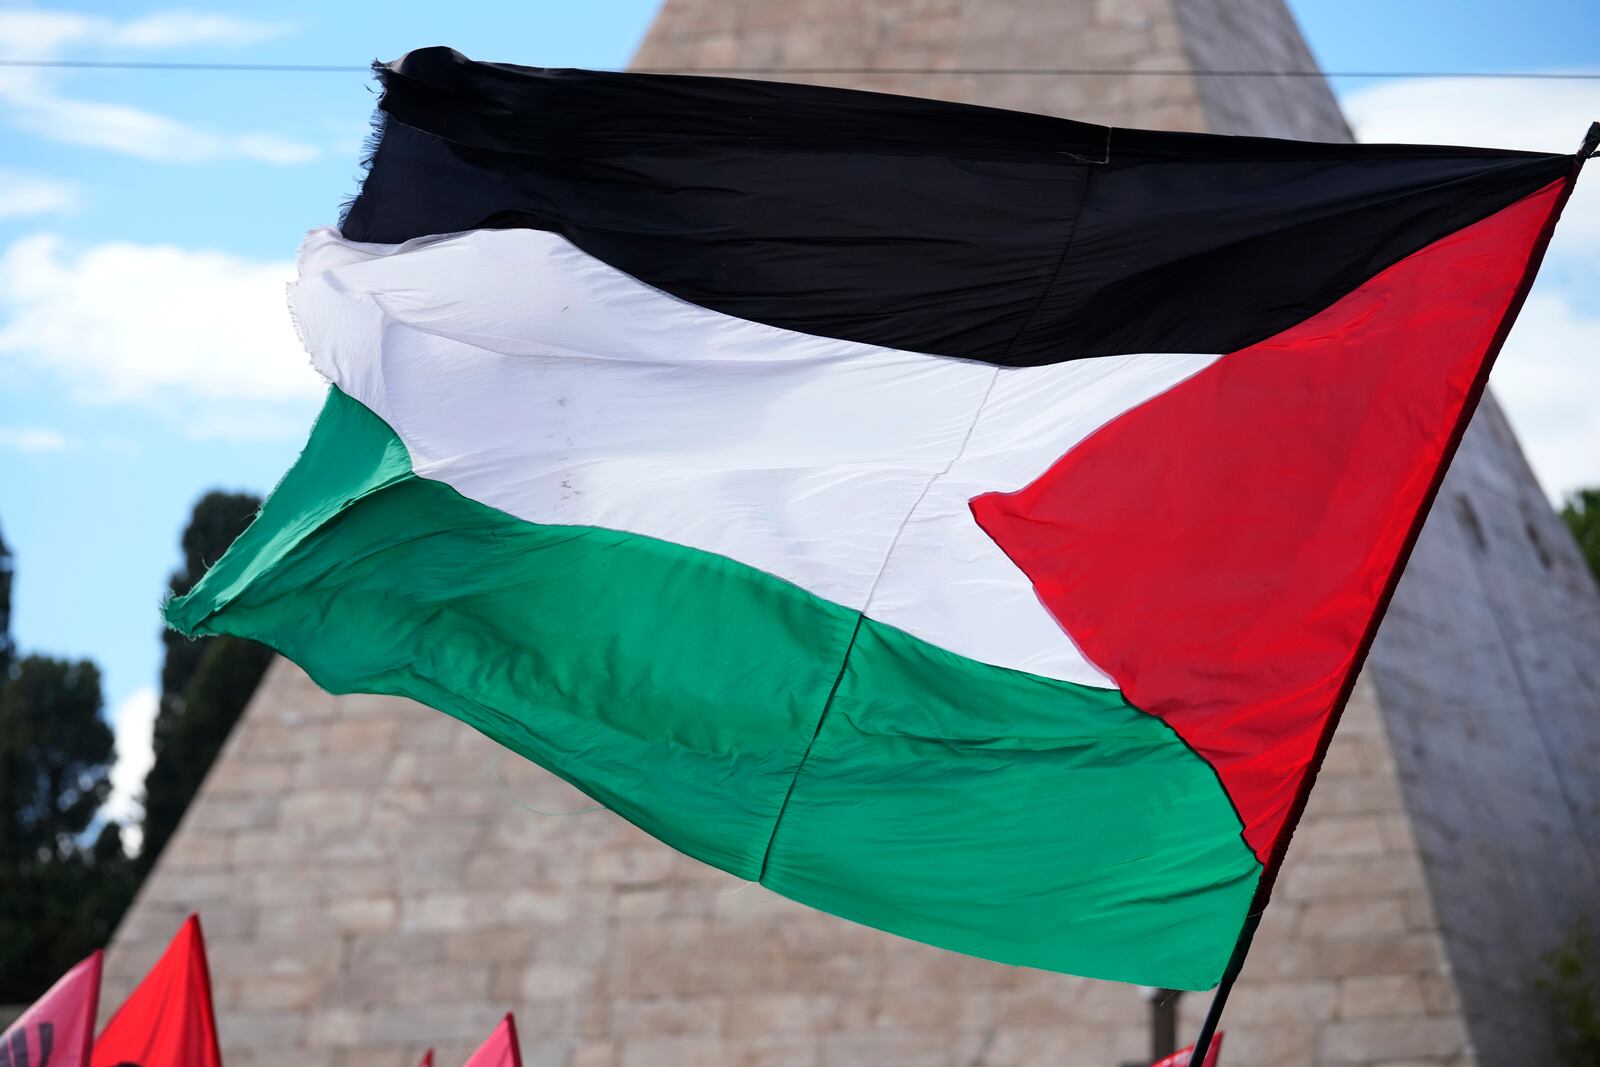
(26, 34)
(201, 338)
(33, 102)
(1548, 379)
(23, 194)
(1538, 116)
(132, 722)
(36, 34)
(1549, 374)
(175, 29)
(32, 439)
(270, 148)
(135, 132)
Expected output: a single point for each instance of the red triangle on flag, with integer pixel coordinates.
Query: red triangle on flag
(427, 1059)
(59, 1028)
(501, 1050)
(168, 1020)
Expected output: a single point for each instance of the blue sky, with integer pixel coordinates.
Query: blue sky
(148, 221)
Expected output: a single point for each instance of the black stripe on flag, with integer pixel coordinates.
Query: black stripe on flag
(944, 228)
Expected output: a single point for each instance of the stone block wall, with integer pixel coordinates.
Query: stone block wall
(929, 35)
(1234, 35)
(1487, 671)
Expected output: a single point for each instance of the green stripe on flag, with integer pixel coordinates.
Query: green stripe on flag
(973, 807)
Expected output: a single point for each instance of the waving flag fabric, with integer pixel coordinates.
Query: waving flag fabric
(57, 1030)
(500, 1048)
(965, 522)
(168, 1020)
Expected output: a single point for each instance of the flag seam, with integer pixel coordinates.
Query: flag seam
(777, 821)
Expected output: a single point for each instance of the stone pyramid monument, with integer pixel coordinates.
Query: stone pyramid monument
(374, 878)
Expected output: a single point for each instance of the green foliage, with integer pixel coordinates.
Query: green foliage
(61, 891)
(7, 650)
(58, 898)
(1582, 515)
(205, 683)
(55, 757)
(1570, 981)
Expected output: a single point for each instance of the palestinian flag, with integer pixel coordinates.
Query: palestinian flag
(968, 523)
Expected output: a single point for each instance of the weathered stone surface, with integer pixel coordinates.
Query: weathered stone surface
(1235, 35)
(373, 880)
(1486, 672)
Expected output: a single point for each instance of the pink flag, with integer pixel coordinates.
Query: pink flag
(1181, 1057)
(501, 1050)
(56, 1030)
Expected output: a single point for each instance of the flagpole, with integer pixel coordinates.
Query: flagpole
(1241, 947)
(1219, 999)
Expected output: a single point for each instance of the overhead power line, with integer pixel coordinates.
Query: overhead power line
(1121, 72)
(95, 64)
(1058, 72)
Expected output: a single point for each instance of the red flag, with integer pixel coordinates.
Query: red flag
(56, 1031)
(167, 1021)
(427, 1059)
(1180, 1058)
(501, 1050)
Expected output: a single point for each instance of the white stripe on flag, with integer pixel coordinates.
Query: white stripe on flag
(536, 379)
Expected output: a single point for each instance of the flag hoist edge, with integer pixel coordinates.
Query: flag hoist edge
(965, 522)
